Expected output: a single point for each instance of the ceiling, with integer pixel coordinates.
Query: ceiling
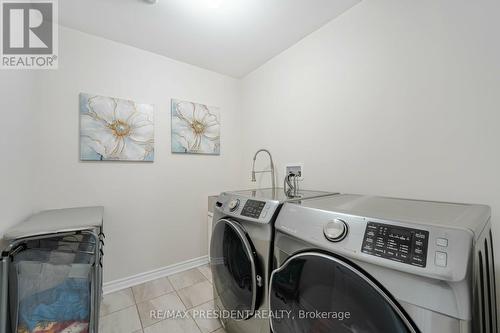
(232, 37)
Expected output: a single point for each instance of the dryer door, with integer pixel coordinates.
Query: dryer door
(233, 264)
(316, 292)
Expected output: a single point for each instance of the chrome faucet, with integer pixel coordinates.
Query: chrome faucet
(263, 171)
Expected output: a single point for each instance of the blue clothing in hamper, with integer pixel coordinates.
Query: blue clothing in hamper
(69, 301)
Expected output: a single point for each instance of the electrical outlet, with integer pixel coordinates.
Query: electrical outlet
(295, 168)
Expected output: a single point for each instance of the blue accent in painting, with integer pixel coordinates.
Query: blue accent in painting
(113, 129)
(195, 128)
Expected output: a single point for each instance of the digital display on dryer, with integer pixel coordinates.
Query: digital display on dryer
(253, 208)
(400, 244)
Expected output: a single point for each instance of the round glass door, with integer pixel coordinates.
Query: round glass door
(315, 292)
(232, 261)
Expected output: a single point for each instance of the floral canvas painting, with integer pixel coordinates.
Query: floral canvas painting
(195, 128)
(115, 129)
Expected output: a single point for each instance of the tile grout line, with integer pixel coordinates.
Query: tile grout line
(190, 287)
(204, 278)
(126, 308)
(152, 299)
(137, 308)
(136, 304)
(148, 299)
(177, 294)
(133, 294)
(185, 306)
(192, 308)
(162, 320)
(115, 311)
(140, 320)
(199, 328)
(212, 300)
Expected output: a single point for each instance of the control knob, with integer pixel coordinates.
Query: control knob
(233, 204)
(335, 230)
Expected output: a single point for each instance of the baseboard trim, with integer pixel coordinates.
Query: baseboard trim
(134, 280)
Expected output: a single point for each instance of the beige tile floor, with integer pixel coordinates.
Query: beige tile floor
(129, 310)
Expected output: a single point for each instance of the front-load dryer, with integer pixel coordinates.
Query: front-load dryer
(351, 263)
(240, 255)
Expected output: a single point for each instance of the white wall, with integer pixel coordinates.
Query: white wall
(155, 213)
(17, 96)
(397, 98)
(392, 98)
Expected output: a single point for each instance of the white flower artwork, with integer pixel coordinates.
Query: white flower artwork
(195, 128)
(115, 129)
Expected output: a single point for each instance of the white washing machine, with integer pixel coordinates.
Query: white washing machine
(352, 263)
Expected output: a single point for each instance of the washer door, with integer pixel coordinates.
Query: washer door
(233, 264)
(316, 292)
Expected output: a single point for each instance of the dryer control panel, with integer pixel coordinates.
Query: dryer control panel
(396, 243)
(253, 208)
(238, 206)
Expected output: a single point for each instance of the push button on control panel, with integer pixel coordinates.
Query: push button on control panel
(264, 212)
(443, 242)
(441, 259)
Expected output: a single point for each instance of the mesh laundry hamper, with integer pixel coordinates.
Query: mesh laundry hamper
(52, 277)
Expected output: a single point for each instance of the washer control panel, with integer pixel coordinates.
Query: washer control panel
(405, 245)
(253, 208)
(239, 206)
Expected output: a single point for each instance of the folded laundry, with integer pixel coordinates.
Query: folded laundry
(65, 303)
(66, 327)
